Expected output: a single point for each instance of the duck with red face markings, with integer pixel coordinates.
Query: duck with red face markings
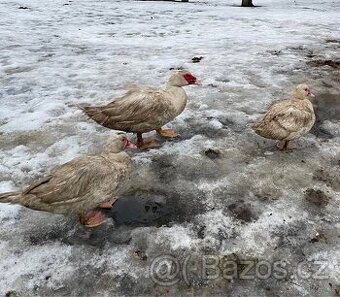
(144, 109)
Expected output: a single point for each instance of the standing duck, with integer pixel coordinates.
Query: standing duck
(288, 119)
(144, 109)
(80, 185)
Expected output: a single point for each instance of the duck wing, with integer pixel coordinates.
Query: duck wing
(88, 179)
(142, 106)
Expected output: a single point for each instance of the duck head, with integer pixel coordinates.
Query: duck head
(118, 143)
(302, 92)
(182, 78)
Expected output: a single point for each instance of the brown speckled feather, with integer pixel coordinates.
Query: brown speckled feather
(76, 186)
(143, 108)
(286, 120)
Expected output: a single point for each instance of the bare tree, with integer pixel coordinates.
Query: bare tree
(247, 3)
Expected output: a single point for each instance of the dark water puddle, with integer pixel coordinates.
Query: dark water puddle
(141, 208)
(128, 212)
(139, 211)
(153, 208)
(327, 107)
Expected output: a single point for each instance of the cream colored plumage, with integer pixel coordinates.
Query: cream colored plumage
(144, 109)
(288, 119)
(80, 185)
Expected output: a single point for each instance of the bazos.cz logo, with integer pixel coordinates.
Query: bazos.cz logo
(167, 270)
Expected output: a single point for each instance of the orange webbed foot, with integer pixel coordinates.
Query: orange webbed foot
(148, 143)
(92, 219)
(108, 204)
(167, 133)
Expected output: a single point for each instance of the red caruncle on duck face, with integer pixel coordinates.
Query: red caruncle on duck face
(190, 78)
(128, 144)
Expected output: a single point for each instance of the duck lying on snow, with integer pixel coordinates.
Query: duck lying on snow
(80, 185)
(145, 109)
(288, 119)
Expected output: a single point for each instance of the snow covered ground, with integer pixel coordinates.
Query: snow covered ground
(219, 190)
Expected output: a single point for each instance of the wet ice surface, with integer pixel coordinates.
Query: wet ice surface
(217, 190)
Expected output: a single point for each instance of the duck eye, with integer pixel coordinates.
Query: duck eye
(306, 89)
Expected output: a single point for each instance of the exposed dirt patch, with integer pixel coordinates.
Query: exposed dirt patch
(19, 69)
(268, 194)
(12, 294)
(337, 290)
(196, 59)
(292, 235)
(330, 40)
(54, 233)
(320, 63)
(317, 197)
(327, 107)
(330, 177)
(201, 231)
(212, 154)
(242, 212)
(319, 237)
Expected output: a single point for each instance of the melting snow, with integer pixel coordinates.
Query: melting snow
(248, 202)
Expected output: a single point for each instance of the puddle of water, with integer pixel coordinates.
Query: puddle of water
(155, 208)
(139, 211)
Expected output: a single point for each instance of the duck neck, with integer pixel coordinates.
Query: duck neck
(179, 97)
(303, 101)
(122, 157)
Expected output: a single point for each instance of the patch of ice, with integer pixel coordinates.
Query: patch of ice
(178, 237)
(8, 211)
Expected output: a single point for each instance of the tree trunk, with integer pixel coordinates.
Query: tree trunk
(247, 3)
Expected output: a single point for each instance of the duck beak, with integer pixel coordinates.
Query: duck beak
(311, 94)
(130, 145)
